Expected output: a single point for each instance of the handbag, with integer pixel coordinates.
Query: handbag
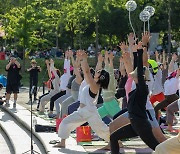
(83, 134)
(44, 128)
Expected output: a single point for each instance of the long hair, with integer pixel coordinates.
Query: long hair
(104, 79)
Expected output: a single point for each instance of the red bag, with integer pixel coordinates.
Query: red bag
(58, 121)
(83, 134)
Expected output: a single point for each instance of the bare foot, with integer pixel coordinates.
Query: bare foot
(59, 145)
(120, 144)
(107, 147)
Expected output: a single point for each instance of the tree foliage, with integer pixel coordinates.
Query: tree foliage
(42, 24)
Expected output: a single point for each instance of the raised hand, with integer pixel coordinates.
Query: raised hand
(111, 56)
(47, 62)
(100, 58)
(82, 55)
(79, 55)
(70, 53)
(125, 56)
(140, 45)
(66, 54)
(174, 57)
(134, 48)
(131, 39)
(51, 61)
(123, 46)
(145, 38)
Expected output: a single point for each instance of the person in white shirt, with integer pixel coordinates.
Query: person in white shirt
(87, 111)
(54, 75)
(170, 93)
(173, 107)
(63, 91)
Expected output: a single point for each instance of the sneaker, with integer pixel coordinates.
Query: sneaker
(35, 99)
(30, 101)
(51, 115)
(14, 105)
(7, 105)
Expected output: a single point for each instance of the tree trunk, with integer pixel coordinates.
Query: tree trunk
(72, 40)
(24, 40)
(97, 39)
(57, 40)
(169, 29)
(110, 39)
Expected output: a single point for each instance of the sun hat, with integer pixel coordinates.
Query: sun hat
(146, 73)
(33, 61)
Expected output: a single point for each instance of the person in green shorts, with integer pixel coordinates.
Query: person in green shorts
(110, 105)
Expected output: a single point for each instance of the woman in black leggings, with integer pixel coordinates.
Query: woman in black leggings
(139, 124)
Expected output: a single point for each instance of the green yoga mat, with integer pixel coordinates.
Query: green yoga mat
(93, 143)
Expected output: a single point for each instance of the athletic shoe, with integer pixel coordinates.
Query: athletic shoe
(7, 105)
(51, 115)
(14, 105)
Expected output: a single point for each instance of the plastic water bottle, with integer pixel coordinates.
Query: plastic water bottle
(34, 121)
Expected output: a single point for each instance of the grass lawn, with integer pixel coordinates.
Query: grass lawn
(43, 74)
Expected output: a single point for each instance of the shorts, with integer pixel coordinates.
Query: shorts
(159, 97)
(12, 88)
(150, 115)
(109, 108)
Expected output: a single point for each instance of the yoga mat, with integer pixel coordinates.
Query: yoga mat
(93, 143)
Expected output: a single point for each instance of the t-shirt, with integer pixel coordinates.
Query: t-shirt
(70, 81)
(86, 99)
(64, 81)
(171, 86)
(157, 87)
(75, 86)
(83, 84)
(13, 76)
(34, 73)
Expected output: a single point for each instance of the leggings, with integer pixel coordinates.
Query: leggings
(33, 83)
(171, 109)
(120, 113)
(138, 127)
(54, 98)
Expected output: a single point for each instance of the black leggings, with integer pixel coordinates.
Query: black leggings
(138, 127)
(120, 113)
(54, 98)
(122, 133)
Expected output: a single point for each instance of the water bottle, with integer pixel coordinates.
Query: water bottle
(34, 121)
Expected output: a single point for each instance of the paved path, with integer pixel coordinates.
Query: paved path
(133, 146)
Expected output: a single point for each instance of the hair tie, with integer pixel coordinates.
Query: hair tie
(102, 77)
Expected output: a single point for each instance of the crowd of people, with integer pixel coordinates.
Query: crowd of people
(147, 86)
